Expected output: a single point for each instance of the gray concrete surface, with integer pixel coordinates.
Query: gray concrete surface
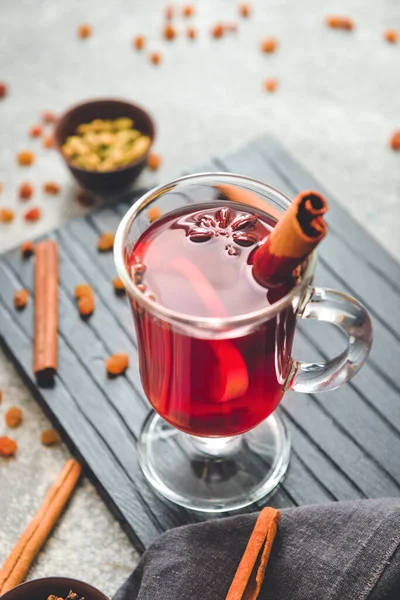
(336, 108)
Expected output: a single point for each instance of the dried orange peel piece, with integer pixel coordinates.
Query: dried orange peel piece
(116, 364)
(8, 447)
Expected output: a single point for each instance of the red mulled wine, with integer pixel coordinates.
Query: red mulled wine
(196, 261)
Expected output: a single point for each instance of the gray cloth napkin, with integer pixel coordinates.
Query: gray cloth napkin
(336, 551)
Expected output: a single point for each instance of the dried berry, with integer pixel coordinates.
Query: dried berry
(48, 117)
(8, 447)
(271, 84)
(217, 31)
(84, 31)
(49, 437)
(191, 33)
(33, 214)
(154, 213)
(269, 45)
(6, 215)
(188, 10)
(340, 22)
(25, 158)
(391, 36)
(155, 58)
(169, 32)
(82, 290)
(245, 10)
(84, 198)
(21, 298)
(13, 417)
(119, 286)
(27, 248)
(105, 242)
(139, 42)
(117, 364)
(51, 188)
(154, 161)
(86, 305)
(48, 142)
(169, 12)
(35, 131)
(395, 140)
(3, 89)
(25, 191)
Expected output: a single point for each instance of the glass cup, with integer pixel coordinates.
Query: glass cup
(196, 450)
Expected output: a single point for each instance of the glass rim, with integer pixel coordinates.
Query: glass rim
(213, 323)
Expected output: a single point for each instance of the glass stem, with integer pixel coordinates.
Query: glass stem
(222, 447)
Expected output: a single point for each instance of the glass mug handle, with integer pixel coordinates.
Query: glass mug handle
(352, 318)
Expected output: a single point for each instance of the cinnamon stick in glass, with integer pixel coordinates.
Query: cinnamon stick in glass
(294, 237)
(29, 544)
(46, 312)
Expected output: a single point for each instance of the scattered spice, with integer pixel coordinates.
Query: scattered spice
(188, 10)
(52, 188)
(271, 84)
(45, 347)
(48, 142)
(105, 242)
(139, 42)
(25, 191)
(3, 89)
(154, 213)
(119, 286)
(6, 215)
(49, 437)
(84, 31)
(82, 290)
(154, 161)
(391, 36)
(155, 58)
(48, 117)
(169, 12)
(340, 22)
(191, 33)
(27, 248)
(117, 364)
(245, 10)
(84, 198)
(106, 144)
(269, 45)
(21, 298)
(86, 305)
(1, 395)
(8, 447)
(33, 214)
(217, 31)
(13, 417)
(1, 187)
(35, 131)
(395, 140)
(25, 158)
(169, 32)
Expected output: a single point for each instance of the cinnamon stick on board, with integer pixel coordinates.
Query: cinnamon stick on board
(23, 554)
(294, 237)
(250, 573)
(46, 312)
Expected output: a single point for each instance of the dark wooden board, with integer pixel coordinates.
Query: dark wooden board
(345, 444)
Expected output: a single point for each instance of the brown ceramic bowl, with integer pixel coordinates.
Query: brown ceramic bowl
(40, 589)
(109, 182)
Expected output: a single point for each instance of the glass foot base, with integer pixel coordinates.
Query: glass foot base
(214, 474)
